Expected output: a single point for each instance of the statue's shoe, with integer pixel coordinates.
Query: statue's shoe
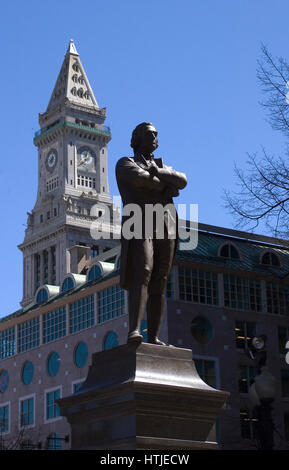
(158, 342)
(134, 336)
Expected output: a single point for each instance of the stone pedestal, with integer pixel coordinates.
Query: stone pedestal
(143, 397)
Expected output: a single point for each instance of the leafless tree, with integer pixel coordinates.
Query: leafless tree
(263, 193)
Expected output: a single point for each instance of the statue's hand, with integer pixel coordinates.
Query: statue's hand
(153, 170)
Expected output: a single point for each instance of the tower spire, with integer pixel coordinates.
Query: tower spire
(71, 48)
(72, 83)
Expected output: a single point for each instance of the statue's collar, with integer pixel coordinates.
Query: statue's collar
(141, 159)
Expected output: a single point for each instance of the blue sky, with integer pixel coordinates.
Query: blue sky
(188, 66)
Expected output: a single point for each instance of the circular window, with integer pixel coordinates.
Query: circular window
(80, 354)
(111, 340)
(27, 372)
(53, 364)
(4, 380)
(201, 330)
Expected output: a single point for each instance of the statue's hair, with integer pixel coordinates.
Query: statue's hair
(137, 134)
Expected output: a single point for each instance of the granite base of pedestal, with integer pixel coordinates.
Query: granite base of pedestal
(143, 397)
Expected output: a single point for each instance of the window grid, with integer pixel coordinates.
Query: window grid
(28, 335)
(4, 419)
(111, 304)
(247, 423)
(206, 370)
(52, 184)
(244, 333)
(81, 314)
(54, 325)
(170, 286)
(277, 299)
(27, 412)
(247, 375)
(283, 337)
(7, 343)
(242, 294)
(198, 286)
(52, 408)
(86, 181)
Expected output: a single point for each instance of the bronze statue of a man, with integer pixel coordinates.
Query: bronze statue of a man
(146, 262)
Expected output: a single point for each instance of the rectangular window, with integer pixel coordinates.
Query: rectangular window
(86, 181)
(45, 267)
(244, 333)
(53, 265)
(206, 370)
(27, 412)
(277, 299)
(242, 294)
(77, 386)
(286, 426)
(4, 419)
(81, 314)
(285, 382)
(170, 286)
(7, 343)
(198, 286)
(247, 423)
(52, 184)
(247, 374)
(28, 335)
(52, 408)
(111, 303)
(37, 270)
(54, 325)
(283, 337)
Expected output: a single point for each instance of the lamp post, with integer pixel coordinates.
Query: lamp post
(262, 394)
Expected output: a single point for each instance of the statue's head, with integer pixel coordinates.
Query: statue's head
(144, 138)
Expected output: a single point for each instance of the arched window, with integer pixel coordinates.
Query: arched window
(117, 262)
(110, 341)
(95, 272)
(73, 91)
(67, 284)
(74, 78)
(270, 259)
(229, 251)
(42, 296)
(80, 92)
(75, 67)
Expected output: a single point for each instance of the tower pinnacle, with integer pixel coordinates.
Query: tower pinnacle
(72, 83)
(71, 48)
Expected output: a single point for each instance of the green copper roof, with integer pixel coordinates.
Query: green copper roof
(250, 252)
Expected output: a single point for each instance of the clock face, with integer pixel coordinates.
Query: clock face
(86, 158)
(51, 160)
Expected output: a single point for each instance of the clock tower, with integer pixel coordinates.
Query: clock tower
(72, 182)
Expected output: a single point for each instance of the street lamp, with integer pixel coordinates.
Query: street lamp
(262, 394)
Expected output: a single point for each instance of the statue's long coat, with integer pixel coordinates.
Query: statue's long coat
(137, 186)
